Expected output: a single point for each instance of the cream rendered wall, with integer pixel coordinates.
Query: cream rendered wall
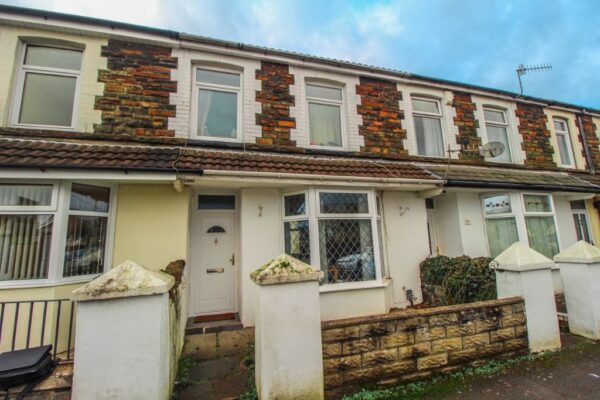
(151, 225)
(406, 243)
(576, 144)
(472, 224)
(449, 235)
(10, 47)
(260, 241)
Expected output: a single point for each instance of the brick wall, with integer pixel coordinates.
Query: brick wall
(591, 137)
(275, 98)
(467, 125)
(137, 86)
(381, 117)
(392, 348)
(536, 136)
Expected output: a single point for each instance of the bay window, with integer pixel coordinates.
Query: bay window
(513, 217)
(324, 115)
(218, 104)
(427, 118)
(51, 232)
(334, 231)
(496, 130)
(46, 87)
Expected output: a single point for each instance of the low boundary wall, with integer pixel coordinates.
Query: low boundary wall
(401, 346)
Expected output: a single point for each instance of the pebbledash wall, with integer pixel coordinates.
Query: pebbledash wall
(415, 344)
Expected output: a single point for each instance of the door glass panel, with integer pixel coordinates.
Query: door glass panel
(215, 229)
(216, 202)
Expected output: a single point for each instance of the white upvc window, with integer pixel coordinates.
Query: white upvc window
(338, 232)
(527, 217)
(47, 87)
(496, 130)
(54, 232)
(218, 104)
(325, 115)
(427, 119)
(563, 139)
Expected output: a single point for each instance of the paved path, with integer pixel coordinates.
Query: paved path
(573, 374)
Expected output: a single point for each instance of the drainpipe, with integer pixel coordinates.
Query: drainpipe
(586, 147)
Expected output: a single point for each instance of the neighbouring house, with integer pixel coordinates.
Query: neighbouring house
(126, 142)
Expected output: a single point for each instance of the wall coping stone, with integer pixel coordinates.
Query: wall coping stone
(519, 258)
(580, 252)
(285, 269)
(125, 280)
(420, 312)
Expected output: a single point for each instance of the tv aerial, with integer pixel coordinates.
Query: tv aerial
(523, 69)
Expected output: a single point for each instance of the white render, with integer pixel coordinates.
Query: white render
(580, 271)
(289, 356)
(523, 272)
(123, 347)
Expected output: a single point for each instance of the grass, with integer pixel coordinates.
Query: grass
(248, 361)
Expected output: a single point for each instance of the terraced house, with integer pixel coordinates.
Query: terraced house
(126, 142)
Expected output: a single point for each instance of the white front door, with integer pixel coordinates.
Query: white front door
(213, 289)
(432, 232)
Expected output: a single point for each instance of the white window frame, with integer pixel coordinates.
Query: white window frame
(439, 116)
(313, 215)
(61, 203)
(23, 69)
(327, 102)
(567, 135)
(517, 202)
(584, 212)
(220, 88)
(504, 125)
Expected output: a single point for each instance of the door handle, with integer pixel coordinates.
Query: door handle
(232, 259)
(215, 270)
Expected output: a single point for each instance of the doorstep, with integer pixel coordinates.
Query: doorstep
(199, 326)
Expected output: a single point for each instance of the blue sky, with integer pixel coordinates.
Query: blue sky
(474, 41)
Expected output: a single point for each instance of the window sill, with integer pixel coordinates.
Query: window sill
(217, 139)
(44, 127)
(342, 287)
(44, 283)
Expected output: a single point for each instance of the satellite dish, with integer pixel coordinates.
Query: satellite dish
(492, 149)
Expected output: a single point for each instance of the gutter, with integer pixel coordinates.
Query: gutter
(523, 186)
(586, 147)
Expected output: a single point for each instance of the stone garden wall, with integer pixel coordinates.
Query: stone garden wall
(407, 345)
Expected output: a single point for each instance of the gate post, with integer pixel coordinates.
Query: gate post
(289, 353)
(123, 344)
(523, 272)
(580, 272)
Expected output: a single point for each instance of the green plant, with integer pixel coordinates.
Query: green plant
(248, 362)
(457, 280)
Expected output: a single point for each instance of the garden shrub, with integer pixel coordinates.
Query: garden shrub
(457, 280)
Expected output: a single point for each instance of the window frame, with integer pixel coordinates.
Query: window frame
(62, 194)
(517, 201)
(328, 102)
(506, 125)
(196, 86)
(23, 69)
(439, 116)
(584, 212)
(313, 215)
(567, 134)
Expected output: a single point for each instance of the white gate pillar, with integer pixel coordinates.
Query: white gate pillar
(288, 347)
(580, 272)
(523, 272)
(123, 347)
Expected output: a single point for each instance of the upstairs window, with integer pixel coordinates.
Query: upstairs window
(218, 98)
(47, 86)
(325, 115)
(427, 117)
(496, 129)
(565, 151)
